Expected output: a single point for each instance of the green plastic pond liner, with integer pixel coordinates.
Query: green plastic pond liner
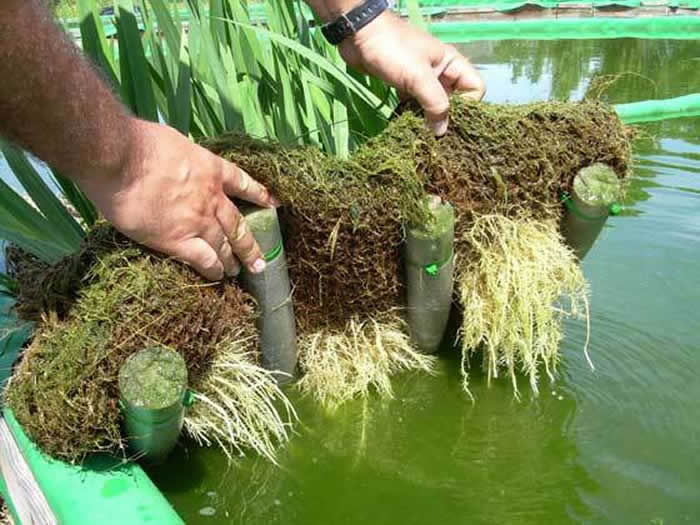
(508, 5)
(152, 385)
(669, 27)
(429, 258)
(102, 490)
(595, 192)
(272, 290)
(652, 110)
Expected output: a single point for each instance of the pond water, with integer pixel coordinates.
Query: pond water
(617, 445)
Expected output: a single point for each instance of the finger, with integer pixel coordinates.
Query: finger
(458, 74)
(237, 183)
(240, 238)
(201, 256)
(432, 97)
(215, 237)
(231, 265)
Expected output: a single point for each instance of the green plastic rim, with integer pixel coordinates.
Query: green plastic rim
(667, 27)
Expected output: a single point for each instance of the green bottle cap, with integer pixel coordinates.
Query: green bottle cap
(432, 269)
(615, 208)
(189, 399)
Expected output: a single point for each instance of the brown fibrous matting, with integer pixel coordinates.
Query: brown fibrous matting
(345, 218)
(343, 226)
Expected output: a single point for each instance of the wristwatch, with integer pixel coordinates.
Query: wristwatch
(351, 22)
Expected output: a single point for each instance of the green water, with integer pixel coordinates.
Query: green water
(618, 445)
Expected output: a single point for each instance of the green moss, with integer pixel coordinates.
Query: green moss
(345, 218)
(153, 378)
(65, 392)
(344, 237)
(441, 221)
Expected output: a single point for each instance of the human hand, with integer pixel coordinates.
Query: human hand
(173, 196)
(415, 63)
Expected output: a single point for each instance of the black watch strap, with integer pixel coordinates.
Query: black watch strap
(354, 20)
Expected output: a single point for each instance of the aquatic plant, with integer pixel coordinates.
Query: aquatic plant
(338, 365)
(218, 72)
(65, 391)
(237, 404)
(345, 222)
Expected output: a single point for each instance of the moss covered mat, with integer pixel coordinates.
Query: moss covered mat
(503, 169)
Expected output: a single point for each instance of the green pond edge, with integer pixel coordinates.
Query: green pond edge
(664, 27)
(102, 490)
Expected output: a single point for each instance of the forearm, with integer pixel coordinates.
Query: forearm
(52, 101)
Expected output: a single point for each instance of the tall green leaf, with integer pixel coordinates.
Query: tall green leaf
(25, 226)
(325, 65)
(137, 90)
(77, 198)
(42, 196)
(95, 44)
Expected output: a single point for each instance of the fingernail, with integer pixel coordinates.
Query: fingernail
(439, 128)
(235, 270)
(275, 202)
(258, 266)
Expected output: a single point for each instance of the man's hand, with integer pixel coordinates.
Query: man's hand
(171, 195)
(154, 184)
(414, 62)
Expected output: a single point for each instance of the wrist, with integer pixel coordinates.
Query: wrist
(329, 11)
(113, 165)
(353, 43)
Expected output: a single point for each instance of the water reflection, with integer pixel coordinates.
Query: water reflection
(648, 69)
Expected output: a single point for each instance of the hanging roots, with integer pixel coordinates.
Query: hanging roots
(235, 405)
(510, 290)
(340, 365)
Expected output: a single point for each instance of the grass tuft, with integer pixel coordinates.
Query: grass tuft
(65, 391)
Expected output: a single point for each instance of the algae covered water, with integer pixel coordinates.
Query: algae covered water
(618, 445)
